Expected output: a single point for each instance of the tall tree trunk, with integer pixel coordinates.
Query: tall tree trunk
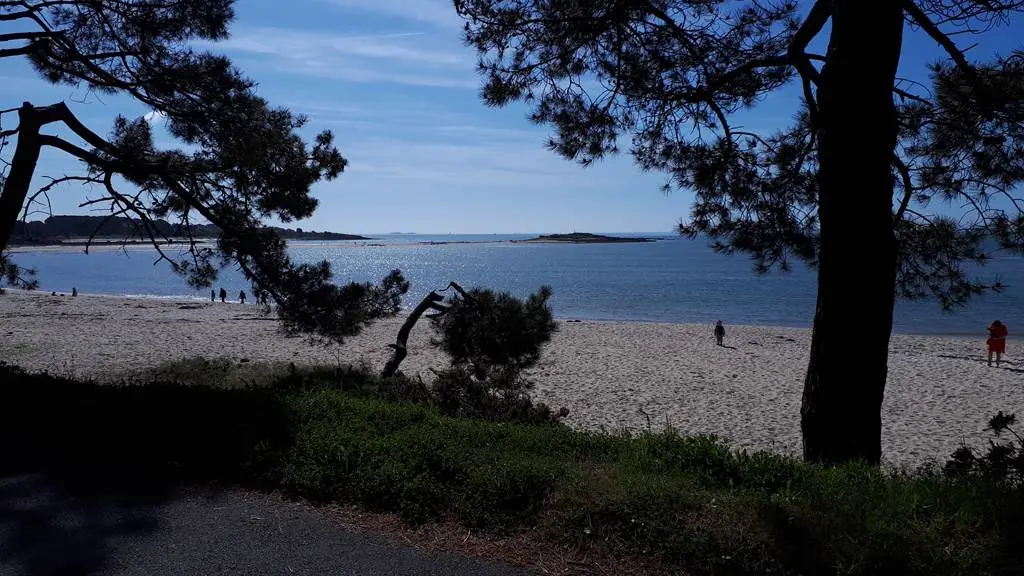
(400, 346)
(23, 166)
(845, 384)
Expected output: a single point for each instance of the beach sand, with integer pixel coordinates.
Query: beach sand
(610, 375)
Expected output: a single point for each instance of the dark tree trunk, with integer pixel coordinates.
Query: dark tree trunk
(845, 384)
(23, 166)
(429, 301)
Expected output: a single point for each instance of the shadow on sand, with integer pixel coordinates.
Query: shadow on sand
(1004, 365)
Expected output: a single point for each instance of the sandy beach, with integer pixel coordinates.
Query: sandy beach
(611, 375)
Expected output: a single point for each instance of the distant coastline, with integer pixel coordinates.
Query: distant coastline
(59, 230)
(56, 234)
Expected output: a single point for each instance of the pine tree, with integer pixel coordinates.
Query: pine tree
(851, 186)
(242, 160)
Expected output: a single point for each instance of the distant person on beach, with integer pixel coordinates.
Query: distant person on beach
(74, 291)
(223, 295)
(719, 332)
(996, 341)
(241, 296)
(213, 295)
(260, 295)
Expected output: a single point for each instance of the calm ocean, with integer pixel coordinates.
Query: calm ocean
(672, 280)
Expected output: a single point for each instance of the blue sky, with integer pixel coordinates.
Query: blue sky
(394, 83)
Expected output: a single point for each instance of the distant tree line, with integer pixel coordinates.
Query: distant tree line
(55, 228)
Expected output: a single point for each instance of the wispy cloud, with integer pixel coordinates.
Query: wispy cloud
(408, 58)
(414, 118)
(439, 13)
(503, 165)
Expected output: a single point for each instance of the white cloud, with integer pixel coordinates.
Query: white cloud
(408, 58)
(439, 13)
(154, 116)
(484, 164)
(299, 44)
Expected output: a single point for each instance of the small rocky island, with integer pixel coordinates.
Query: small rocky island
(581, 238)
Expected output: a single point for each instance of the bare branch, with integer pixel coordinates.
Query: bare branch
(11, 37)
(96, 230)
(922, 20)
(54, 182)
(812, 26)
(401, 340)
(910, 96)
(21, 51)
(76, 151)
(133, 207)
(908, 186)
(15, 15)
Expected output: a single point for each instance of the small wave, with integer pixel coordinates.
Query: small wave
(141, 296)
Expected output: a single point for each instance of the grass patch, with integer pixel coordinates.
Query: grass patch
(231, 373)
(688, 501)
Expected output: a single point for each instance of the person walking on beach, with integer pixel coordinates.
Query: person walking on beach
(241, 296)
(259, 295)
(996, 341)
(213, 295)
(74, 292)
(223, 295)
(719, 332)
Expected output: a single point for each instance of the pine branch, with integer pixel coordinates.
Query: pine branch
(922, 20)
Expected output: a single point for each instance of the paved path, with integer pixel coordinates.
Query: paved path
(51, 529)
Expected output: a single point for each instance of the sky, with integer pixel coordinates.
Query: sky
(395, 84)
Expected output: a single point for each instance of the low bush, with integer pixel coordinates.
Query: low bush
(690, 502)
(453, 392)
(1003, 462)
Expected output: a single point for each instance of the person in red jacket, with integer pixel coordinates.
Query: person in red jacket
(996, 341)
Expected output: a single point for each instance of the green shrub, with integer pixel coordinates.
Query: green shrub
(690, 502)
(1003, 462)
(491, 332)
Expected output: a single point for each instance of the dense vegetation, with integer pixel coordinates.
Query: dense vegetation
(690, 503)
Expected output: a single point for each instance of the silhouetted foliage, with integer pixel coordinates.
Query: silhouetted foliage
(491, 338)
(850, 187)
(243, 160)
(670, 74)
(459, 393)
(1003, 462)
(494, 332)
(16, 276)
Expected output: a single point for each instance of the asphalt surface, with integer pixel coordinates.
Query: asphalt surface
(49, 527)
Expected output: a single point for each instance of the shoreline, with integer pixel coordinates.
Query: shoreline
(1013, 337)
(610, 375)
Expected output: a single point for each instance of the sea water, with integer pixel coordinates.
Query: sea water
(671, 280)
